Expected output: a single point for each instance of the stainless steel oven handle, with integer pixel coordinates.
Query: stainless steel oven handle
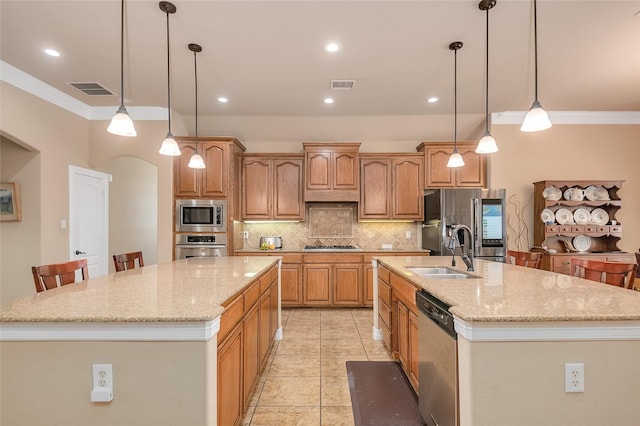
(208, 246)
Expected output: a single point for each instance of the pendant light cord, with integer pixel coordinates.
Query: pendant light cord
(195, 68)
(168, 77)
(535, 45)
(455, 100)
(122, 53)
(486, 96)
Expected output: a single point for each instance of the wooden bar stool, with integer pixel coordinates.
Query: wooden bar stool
(125, 261)
(614, 273)
(524, 258)
(47, 277)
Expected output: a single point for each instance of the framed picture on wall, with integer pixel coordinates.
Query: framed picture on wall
(10, 209)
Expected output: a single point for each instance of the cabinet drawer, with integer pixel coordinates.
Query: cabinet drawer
(615, 229)
(566, 229)
(230, 317)
(251, 295)
(383, 274)
(578, 229)
(552, 229)
(405, 291)
(384, 312)
(333, 258)
(386, 335)
(384, 292)
(265, 282)
(292, 258)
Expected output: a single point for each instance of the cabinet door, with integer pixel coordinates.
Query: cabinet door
(288, 200)
(318, 167)
(265, 325)
(402, 329)
(251, 358)
(291, 284)
(230, 379)
(185, 180)
(345, 170)
(438, 174)
(375, 194)
(412, 372)
(368, 285)
(347, 284)
(317, 281)
(407, 191)
(214, 176)
(256, 188)
(473, 173)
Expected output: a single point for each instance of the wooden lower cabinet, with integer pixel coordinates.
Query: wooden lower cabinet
(291, 284)
(347, 285)
(368, 284)
(317, 284)
(399, 321)
(247, 328)
(230, 378)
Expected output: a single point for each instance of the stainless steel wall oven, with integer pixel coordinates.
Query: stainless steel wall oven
(200, 245)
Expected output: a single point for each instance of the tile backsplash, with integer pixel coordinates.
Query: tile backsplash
(335, 224)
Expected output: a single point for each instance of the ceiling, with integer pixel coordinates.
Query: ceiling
(267, 57)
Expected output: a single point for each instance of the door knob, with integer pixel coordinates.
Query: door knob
(80, 252)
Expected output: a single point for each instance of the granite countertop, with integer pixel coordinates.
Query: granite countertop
(509, 293)
(184, 290)
(359, 250)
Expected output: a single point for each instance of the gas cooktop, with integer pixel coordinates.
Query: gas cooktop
(335, 247)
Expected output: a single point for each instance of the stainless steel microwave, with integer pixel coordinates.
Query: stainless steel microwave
(201, 216)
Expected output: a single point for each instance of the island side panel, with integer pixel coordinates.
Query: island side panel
(155, 383)
(522, 383)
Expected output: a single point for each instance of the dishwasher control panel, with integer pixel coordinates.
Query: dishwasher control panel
(437, 311)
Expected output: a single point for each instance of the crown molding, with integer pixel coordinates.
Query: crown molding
(571, 117)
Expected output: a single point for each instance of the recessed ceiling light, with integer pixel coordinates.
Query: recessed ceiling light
(51, 52)
(332, 47)
(328, 100)
(223, 100)
(432, 99)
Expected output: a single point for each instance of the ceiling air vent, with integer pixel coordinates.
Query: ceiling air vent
(342, 84)
(92, 89)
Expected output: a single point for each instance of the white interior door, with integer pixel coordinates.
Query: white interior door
(89, 218)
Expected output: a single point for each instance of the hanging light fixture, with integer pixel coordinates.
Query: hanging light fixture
(487, 143)
(196, 161)
(121, 124)
(169, 145)
(456, 159)
(537, 118)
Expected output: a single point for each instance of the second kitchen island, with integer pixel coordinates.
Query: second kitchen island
(517, 329)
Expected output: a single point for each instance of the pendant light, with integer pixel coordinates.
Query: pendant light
(487, 143)
(537, 118)
(169, 145)
(456, 159)
(121, 124)
(196, 161)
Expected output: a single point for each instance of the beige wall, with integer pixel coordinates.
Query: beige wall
(522, 383)
(154, 383)
(580, 152)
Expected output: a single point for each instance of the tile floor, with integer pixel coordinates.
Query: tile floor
(305, 379)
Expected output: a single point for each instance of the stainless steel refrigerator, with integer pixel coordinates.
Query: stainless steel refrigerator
(482, 210)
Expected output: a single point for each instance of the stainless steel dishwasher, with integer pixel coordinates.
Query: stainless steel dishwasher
(437, 362)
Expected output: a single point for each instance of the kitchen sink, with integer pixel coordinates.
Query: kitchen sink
(440, 272)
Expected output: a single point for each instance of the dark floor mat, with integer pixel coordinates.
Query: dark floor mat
(381, 395)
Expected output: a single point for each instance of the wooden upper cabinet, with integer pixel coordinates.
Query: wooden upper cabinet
(271, 187)
(437, 175)
(331, 171)
(392, 186)
(214, 181)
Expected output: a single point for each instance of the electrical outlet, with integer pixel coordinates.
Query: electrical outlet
(574, 377)
(245, 235)
(407, 235)
(102, 383)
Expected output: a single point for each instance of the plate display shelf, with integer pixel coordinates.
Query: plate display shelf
(604, 237)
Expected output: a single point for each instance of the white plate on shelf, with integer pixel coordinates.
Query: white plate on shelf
(552, 193)
(599, 217)
(582, 216)
(591, 193)
(582, 242)
(564, 216)
(547, 216)
(602, 194)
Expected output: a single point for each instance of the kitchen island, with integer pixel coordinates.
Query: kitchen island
(158, 326)
(518, 327)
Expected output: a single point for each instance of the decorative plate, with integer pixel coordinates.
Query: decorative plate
(591, 193)
(564, 216)
(602, 194)
(552, 193)
(567, 194)
(582, 216)
(547, 216)
(582, 242)
(599, 217)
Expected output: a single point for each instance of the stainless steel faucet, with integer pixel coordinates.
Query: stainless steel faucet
(453, 241)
